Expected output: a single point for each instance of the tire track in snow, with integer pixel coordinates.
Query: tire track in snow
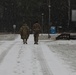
(4, 53)
(19, 68)
(39, 54)
(23, 63)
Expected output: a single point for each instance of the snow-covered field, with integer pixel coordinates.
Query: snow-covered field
(49, 57)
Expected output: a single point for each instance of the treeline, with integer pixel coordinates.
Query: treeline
(19, 11)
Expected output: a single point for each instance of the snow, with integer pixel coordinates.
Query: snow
(46, 58)
(55, 65)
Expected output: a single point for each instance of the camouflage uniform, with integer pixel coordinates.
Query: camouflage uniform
(36, 31)
(24, 32)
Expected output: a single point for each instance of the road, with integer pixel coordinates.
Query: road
(17, 58)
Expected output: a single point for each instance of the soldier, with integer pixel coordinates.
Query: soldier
(36, 31)
(24, 32)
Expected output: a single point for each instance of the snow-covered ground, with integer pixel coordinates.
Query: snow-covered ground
(49, 57)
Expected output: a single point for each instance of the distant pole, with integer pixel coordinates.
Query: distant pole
(49, 17)
(42, 22)
(68, 13)
(14, 27)
(49, 13)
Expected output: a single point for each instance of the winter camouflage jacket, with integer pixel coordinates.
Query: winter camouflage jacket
(24, 32)
(36, 28)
